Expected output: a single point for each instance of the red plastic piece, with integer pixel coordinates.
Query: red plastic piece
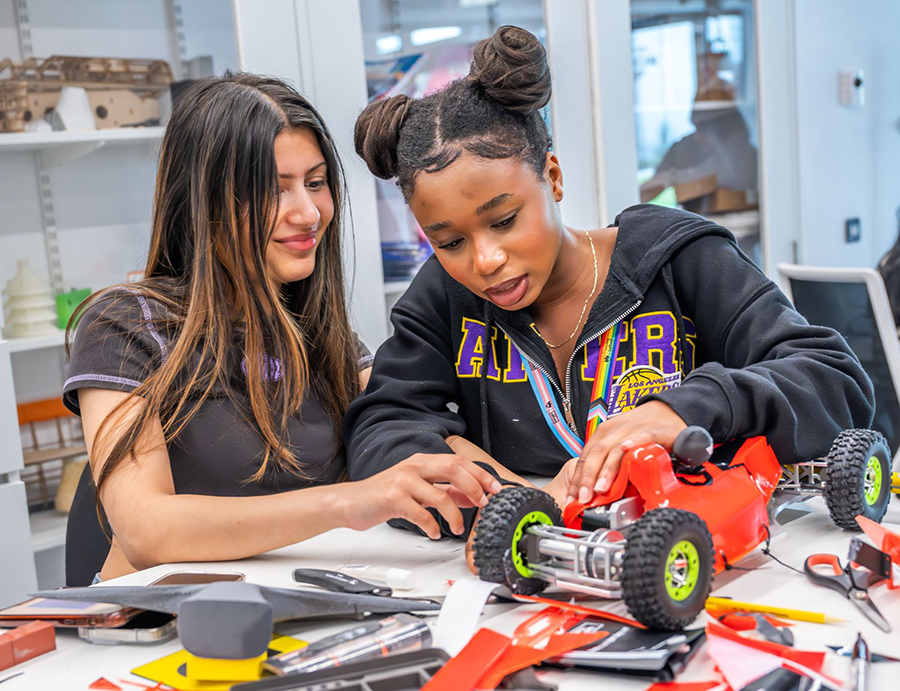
(738, 622)
(687, 686)
(491, 656)
(104, 684)
(539, 638)
(887, 541)
(730, 619)
(26, 642)
(572, 607)
(737, 525)
(805, 658)
(462, 672)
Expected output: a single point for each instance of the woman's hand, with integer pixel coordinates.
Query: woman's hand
(558, 487)
(408, 489)
(652, 422)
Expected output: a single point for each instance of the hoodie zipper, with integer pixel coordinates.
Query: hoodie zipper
(566, 405)
(567, 400)
(564, 395)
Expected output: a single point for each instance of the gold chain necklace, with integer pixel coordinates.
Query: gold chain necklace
(587, 300)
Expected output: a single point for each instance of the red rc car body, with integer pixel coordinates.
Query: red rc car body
(731, 500)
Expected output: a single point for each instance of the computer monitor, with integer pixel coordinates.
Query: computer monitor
(854, 302)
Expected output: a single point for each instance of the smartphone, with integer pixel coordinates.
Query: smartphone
(146, 628)
(197, 577)
(67, 613)
(154, 627)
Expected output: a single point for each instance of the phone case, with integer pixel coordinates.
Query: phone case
(146, 629)
(69, 614)
(197, 577)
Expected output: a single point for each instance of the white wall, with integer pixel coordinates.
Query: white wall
(614, 136)
(293, 49)
(849, 160)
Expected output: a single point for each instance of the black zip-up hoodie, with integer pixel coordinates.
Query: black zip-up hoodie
(694, 306)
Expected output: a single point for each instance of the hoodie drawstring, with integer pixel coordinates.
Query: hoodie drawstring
(485, 363)
(669, 283)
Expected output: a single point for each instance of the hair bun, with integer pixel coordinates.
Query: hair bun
(377, 133)
(511, 66)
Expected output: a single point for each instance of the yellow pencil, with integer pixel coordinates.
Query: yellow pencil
(729, 605)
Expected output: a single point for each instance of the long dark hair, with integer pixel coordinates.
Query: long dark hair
(217, 180)
(492, 113)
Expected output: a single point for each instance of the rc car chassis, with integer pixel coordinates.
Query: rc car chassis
(670, 522)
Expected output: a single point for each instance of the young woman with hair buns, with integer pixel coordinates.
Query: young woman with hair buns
(521, 337)
(212, 391)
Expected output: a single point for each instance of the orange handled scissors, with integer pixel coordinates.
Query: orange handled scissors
(851, 583)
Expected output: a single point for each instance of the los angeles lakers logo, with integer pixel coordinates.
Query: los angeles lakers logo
(637, 382)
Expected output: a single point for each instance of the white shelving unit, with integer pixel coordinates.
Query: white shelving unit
(21, 345)
(42, 141)
(76, 205)
(48, 530)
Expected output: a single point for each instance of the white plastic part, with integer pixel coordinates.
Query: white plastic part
(398, 579)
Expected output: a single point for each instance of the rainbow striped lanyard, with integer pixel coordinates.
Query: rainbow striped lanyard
(603, 381)
(604, 376)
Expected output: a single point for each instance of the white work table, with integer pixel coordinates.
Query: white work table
(76, 663)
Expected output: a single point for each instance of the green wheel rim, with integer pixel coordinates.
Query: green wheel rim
(527, 520)
(873, 480)
(682, 570)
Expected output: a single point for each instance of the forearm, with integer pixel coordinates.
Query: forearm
(188, 527)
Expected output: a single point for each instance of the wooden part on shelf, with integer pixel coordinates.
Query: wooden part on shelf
(111, 107)
(47, 462)
(122, 108)
(723, 201)
(29, 89)
(58, 71)
(68, 483)
(13, 105)
(685, 191)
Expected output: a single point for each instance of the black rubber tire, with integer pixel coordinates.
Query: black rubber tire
(845, 474)
(494, 536)
(650, 540)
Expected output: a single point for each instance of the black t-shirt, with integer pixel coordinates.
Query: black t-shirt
(118, 344)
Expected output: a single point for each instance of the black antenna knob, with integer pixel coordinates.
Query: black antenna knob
(693, 446)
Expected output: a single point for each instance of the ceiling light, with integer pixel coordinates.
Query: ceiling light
(433, 34)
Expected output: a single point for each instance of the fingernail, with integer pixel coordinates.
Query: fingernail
(584, 495)
(602, 485)
(483, 501)
(496, 486)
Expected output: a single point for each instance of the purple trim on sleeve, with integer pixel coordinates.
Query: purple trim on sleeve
(145, 309)
(365, 361)
(101, 377)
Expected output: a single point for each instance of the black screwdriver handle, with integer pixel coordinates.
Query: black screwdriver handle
(339, 582)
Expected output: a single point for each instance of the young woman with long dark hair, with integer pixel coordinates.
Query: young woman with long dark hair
(212, 391)
(543, 343)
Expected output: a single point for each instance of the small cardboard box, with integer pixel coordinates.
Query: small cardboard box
(723, 201)
(693, 189)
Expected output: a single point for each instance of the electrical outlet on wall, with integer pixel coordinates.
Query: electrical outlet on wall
(852, 230)
(853, 89)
